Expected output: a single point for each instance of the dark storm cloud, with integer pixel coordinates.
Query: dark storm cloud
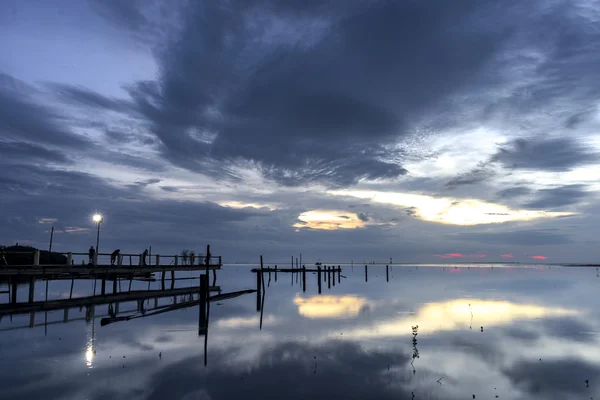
(363, 217)
(81, 96)
(554, 155)
(326, 107)
(22, 152)
(526, 237)
(21, 118)
(476, 175)
(558, 197)
(513, 192)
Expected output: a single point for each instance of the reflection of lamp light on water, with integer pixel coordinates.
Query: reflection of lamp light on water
(89, 356)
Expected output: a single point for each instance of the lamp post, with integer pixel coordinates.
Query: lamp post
(98, 219)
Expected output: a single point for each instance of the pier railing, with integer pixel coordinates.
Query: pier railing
(122, 259)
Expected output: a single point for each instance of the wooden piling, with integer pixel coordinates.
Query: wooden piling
(203, 299)
(258, 285)
(13, 292)
(103, 289)
(275, 273)
(172, 280)
(66, 316)
(31, 289)
(115, 284)
(162, 281)
(366, 274)
(387, 273)
(303, 278)
(319, 277)
(71, 291)
(328, 277)
(333, 275)
(339, 274)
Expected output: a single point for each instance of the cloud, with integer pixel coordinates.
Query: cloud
(508, 255)
(477, 175)
(555, 155)
(268, 95)
(23, 119)
(558, 197)
(539, 257)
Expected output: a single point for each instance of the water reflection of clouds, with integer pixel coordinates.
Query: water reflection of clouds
(456, 314)
(346, 306)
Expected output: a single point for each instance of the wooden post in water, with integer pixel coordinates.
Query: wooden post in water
(162, 280)
(319, 277)
(258, 290)
(71, 292)
(172, 280)
(387, 273)
(325, 273)
(103, 289)
(328, 277)
(115, 284)
(333, 274)
(66, 316)
(292, 262)
(203, 300)
(303, 278)
(157, 259)
(339, 274)
(31, 289)
(14, 292)
(130, 260)
(366, 274)
(275, 273)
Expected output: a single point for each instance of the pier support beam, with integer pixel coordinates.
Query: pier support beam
(31, 289)
(70, 258)
(103, 288)
(36, 257)
(202, 325)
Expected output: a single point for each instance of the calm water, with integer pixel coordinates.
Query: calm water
(508, 333)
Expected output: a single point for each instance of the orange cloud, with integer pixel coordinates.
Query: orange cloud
(539, 257)
(507, 255)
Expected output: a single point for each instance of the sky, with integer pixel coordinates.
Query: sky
(423, 131)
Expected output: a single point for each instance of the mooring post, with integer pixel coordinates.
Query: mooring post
(339, 274)
(14, 292)
(303, 278)
(366, 274)
(203, 300)
(158, 259)
(319, 277)
(36, 257)
(276, 273)
(115, 284)
(258, 285)
(31, 289)
(103, 288)
(176, 262)
(387, 273)
(333, 274)
(162, 280)
(328, 277)
(69, 258)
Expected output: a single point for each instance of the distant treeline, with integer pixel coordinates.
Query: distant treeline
(23, 255)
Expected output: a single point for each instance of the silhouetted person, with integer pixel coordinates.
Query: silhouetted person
(207, 259)
(92, 253)
(144, 255)
(114, 255)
